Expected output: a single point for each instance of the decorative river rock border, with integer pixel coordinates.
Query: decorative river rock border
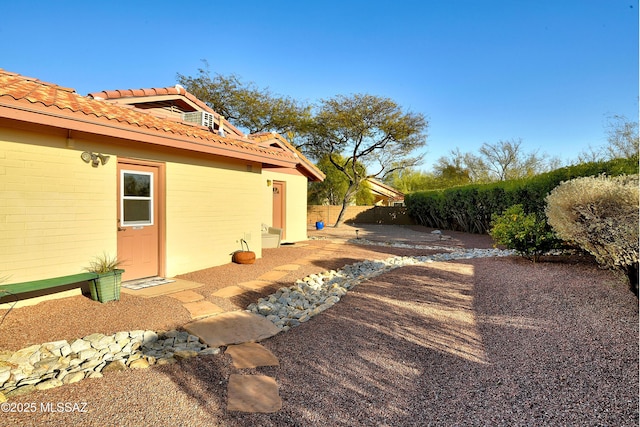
(52, 364)
(289, 307)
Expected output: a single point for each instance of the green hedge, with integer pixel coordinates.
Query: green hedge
(469, 208)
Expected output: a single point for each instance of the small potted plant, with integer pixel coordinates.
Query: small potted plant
(107, 286)
(242, 256)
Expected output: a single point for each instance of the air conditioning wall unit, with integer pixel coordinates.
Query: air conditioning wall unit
(199, 117)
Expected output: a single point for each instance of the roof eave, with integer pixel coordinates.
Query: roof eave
(306, 167)
(36, 114)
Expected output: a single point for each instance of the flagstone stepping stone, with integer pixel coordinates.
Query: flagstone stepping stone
(229, 291)
(288, 267)
(202, 309)
(254, 284)
(273, 275)
(187, 296)
(251, 355)
(235, 327)
(253, 393)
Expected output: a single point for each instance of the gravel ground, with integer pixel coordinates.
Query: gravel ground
(476, 342)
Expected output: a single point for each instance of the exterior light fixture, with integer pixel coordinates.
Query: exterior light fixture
(95, 158)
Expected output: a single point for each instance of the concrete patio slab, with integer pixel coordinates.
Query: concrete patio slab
(229, 291)
(202, 309)
(251, 355)
(169, 288)
(187, 296)
(253, 393)
(235, 327)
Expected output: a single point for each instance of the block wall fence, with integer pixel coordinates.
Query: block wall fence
(392, 215)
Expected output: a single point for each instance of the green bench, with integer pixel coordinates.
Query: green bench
(39, 285)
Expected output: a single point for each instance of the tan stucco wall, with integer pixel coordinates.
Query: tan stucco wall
(210, 207)
(56, 211)
(296, 203)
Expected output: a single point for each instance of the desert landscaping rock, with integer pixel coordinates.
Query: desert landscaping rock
(289, 307)
(53, 364)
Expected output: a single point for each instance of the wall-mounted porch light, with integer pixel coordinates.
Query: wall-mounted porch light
(94, 158)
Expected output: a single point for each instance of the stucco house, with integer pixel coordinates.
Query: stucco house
(153, 176)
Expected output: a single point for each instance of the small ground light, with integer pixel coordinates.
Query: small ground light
(357, 231)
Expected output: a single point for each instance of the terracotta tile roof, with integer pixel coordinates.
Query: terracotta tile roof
(267, 138)
(115, 95)
(19, 92)
(130, 93)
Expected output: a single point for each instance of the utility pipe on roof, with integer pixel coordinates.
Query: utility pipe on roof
(221, 127)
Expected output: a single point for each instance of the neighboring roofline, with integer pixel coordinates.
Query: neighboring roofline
(168, 92)
(395, 194)
(265, 139)
(142, 93)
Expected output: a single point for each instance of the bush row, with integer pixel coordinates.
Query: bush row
(470, 208)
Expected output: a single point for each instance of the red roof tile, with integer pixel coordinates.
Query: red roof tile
(268, 138)
(114, 95)
(172, 90)
(17, 90)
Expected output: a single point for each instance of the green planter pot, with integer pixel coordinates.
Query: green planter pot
(107, 286)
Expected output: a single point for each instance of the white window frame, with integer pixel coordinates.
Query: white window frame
(150, 198)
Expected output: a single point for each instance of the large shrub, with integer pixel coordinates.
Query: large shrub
(470, 208)
(527, 234)
(600, 215)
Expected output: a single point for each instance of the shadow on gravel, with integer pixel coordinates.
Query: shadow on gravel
(203, 379)
(474, 342)
(367, 360)
(455, 344)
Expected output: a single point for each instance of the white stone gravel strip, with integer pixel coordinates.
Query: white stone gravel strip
(55, 363)
(289, 307)
(366, 242)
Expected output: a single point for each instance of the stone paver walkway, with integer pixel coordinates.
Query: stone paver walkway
(233, 327)
(200, 309)
(253, 393)
(241, 331)
(251, 355)
(187, 296)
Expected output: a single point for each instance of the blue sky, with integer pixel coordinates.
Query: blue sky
(546, 71)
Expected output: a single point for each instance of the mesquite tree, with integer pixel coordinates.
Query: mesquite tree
(366, 130)
(247, 106)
